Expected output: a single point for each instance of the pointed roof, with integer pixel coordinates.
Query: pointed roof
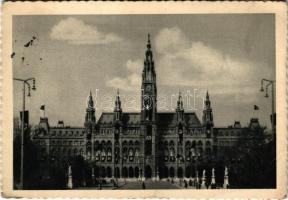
(180, 101)
(90, 103)
(149, 54)
(148, 43)
(207, 95)
(117, 102)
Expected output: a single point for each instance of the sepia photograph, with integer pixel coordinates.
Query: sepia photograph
(137, 101)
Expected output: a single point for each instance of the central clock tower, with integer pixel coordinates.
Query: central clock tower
(149, 116)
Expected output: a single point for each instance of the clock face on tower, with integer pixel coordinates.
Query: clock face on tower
(148, 88)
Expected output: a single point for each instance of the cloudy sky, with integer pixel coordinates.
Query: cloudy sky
(225, 54)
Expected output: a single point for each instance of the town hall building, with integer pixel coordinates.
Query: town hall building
(146, 144)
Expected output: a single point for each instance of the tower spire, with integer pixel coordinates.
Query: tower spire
(149, 54)
(148, 87)
(179, 101)
(118, 102)
(207, 112)
(149, 43)
(90, 110)
(90, 101)
(117, 109)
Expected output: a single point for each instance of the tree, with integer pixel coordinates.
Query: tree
(252, 162)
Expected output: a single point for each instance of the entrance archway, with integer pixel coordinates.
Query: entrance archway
(166, 173)
(171, 172)
(180, 172)
(124, 172)
(117, 172)
(136, 172)
(148, 171)
(131, 172)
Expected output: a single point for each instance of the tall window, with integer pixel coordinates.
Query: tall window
(148, 141)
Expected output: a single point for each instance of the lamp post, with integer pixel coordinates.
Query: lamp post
(267, 84)
(25, 82)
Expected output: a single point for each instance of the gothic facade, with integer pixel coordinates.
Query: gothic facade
(147, 144)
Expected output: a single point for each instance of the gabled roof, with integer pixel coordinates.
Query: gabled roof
(106, 118)
(127, 118)
(131, 118)
(164, 119)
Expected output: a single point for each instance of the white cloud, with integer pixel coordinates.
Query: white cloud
(133, 80)
(185, 62)
(76, 31)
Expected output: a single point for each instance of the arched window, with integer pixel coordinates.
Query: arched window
(103, 145)
(109, 154)
(166, 143)
(96, 171)
(131, 172)
(75, 152)
(131, 153)
(69, 152)
(193, 145)
(103, 172)
(180, 172)
(180, 153)
(137, 152)
(117, 172)
(136, 172)
(136, 143)
(166, 174)
(103, 155)
(125, 153)
(109, 172)
(124, 172)
(208, 151)
(96, 145)
(171, 152)
(124, 143)
(148, 141)
(187, 172)
(171, 172)
(200, 151)
(187, 144)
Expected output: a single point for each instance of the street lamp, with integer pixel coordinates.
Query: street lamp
(267, 84)
(25, 82)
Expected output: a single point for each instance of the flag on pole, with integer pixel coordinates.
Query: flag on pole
(42, 107)
(42, 111)
(256, 107)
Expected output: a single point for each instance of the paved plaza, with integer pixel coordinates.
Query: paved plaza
(138, 185)
(149, 184)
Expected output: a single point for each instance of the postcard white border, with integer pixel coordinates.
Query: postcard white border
(88, 8)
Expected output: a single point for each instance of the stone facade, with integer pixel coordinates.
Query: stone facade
(148, 144)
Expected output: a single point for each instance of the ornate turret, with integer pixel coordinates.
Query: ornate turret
(90, 125)
(90, 110)
(117, 109)
(207, 120)
(207, 112)
(180, 109)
